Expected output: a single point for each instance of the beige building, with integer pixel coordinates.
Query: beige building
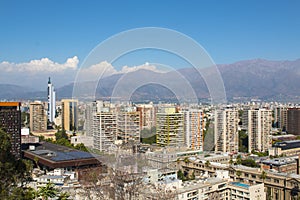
(104, 130)
(128, 126)
(170, 128)
(226, 130)
(38, 116)
(69, 114)
(259, 125)
(194, 125)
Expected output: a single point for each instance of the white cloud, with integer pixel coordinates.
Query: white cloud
(42, 65)
(35, 73)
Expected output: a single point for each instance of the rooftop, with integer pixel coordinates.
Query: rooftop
(239, 184)
(56, 156)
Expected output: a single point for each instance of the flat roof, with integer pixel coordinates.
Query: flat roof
(10, 103)
(288, 144)
(239, 184)
(55, 156)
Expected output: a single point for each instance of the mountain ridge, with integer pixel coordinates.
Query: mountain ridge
(259, 78)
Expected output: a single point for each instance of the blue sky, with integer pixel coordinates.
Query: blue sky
(229, 30)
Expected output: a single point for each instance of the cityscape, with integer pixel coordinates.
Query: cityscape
(151, 107)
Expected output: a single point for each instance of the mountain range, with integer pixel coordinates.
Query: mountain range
(257, 78)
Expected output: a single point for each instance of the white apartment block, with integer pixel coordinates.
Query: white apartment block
(226, 130)
(259, 125)
(194, 125)
(128, 126)
(104, 130)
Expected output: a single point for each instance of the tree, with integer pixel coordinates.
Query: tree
(239, 159)
(263, 175)
(48, 191)
(207, 164)
(180, 175)
(14, 173)
(63, 196)
(81, 147)
(238, 173)
(61, 134)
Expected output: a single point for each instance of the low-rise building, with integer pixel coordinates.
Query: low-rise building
(286, 165)
(286, 148)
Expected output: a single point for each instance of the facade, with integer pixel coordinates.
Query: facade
(69, 114)
(293, 121)
(276, 185)
(170, 128)
(38, 116)
(147, 115)
(128, 126)
(226, 130)
(10, 122)
(281, 117)
(259, 125)
(104, 130)
(194, 125)
(284, 165)
(286, 148)
(51, 102)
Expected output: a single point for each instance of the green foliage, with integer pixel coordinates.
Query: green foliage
(61, 134)
(207, 164)
(48, 191)
(81, 147)
(186, 160)
(148, 136)
(63, 196)
(64, 142)
(263, 175)
(260, 154)
(239, 159)
(14, 174)
(249, 163)
(243, 141)
(184, 176)
(180, 175)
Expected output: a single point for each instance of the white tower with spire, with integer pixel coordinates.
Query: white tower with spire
(51, 101)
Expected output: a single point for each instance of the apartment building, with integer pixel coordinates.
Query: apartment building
(226, 130)
(38, 116)
(69, 114)
(194, 125)
(170, 127)
(259, 125)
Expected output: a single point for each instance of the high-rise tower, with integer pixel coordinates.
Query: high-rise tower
(10, 122)
(51, 101)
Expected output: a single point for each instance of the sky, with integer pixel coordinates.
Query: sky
(37, 34)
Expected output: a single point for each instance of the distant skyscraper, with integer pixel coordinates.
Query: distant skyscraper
(51, 101)
(38, 117)
(69, 114)
(226, 131)
(10, 122)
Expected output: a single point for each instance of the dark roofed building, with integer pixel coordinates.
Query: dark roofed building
(53, 156)
(293, 121)
(286, 148)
